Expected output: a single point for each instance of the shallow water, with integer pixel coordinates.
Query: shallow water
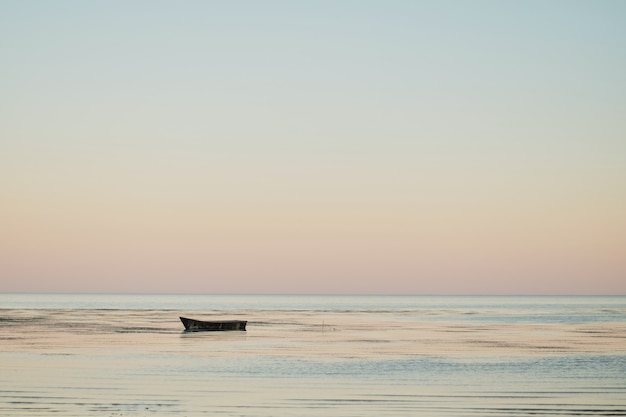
(84, 355)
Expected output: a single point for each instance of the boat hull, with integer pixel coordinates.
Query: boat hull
(192, 325)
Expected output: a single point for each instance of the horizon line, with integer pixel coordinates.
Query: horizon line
(296, 294)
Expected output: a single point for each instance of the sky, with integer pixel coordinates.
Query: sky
(349, 147)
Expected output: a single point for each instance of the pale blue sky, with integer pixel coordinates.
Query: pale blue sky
(459, 126)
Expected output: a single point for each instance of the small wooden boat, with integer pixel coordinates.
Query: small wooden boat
(192, 325)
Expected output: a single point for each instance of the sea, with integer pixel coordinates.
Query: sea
(312, 355)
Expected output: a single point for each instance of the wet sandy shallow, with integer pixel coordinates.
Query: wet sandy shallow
(305, 363)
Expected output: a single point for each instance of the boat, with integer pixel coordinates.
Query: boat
(192, 325)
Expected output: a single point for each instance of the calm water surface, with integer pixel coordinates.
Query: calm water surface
(126, 355)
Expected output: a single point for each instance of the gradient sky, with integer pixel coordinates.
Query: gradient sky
(440, 147)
